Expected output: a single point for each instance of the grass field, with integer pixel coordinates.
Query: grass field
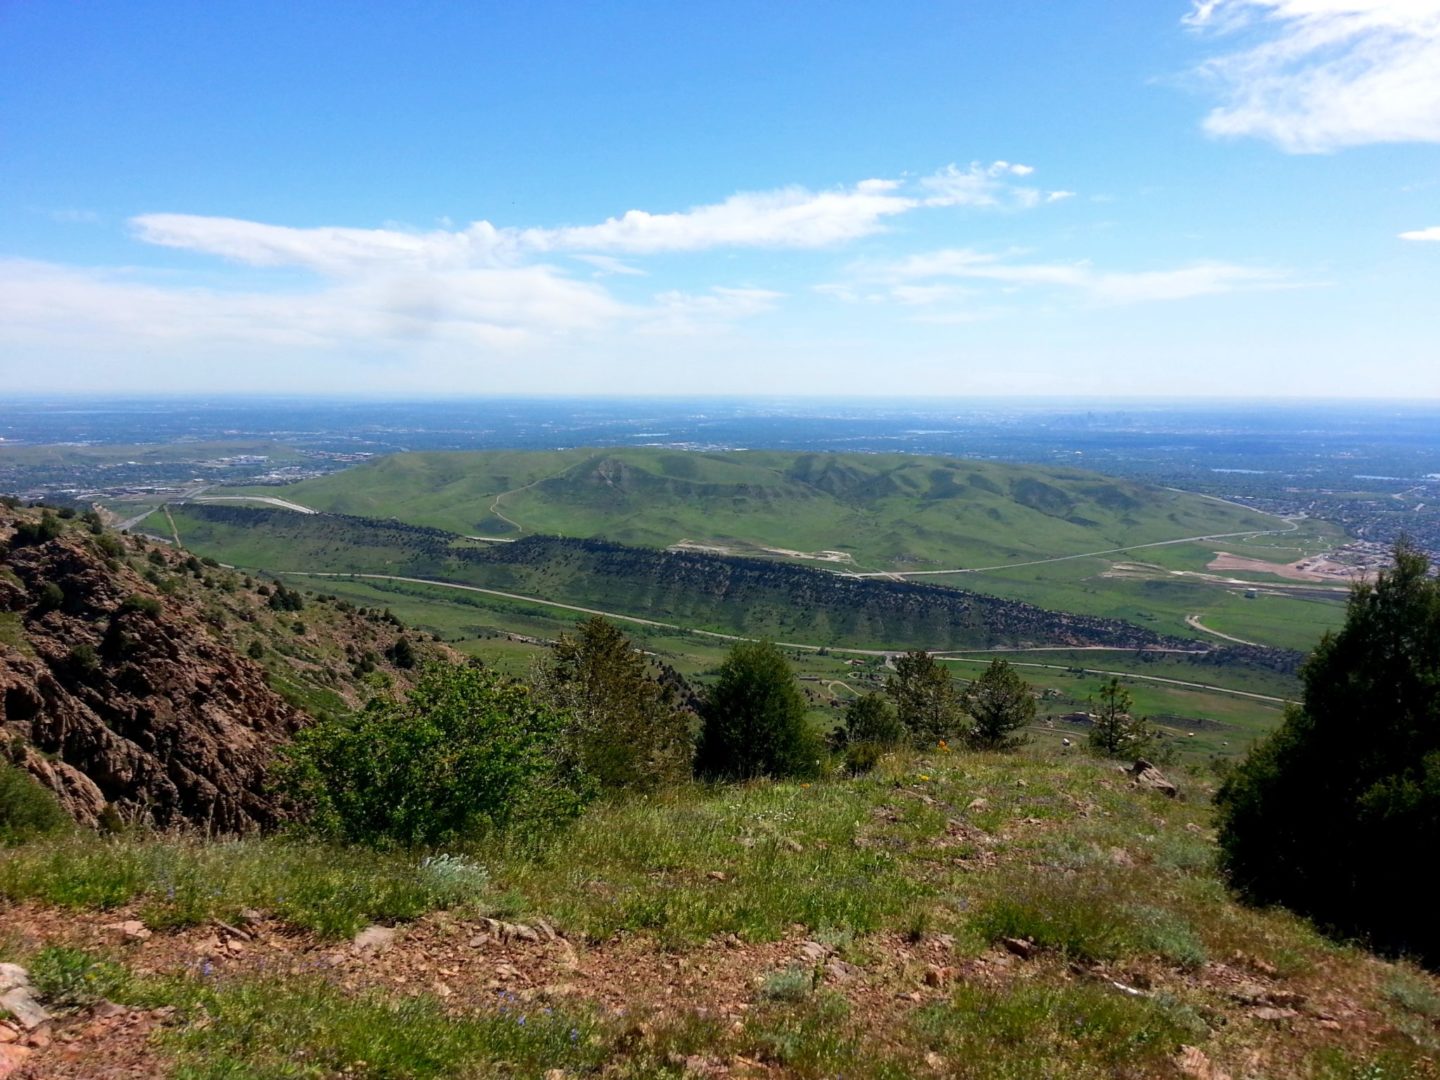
(1161, 601)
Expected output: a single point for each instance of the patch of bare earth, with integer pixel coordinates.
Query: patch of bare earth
(1264, 1023)
(1310, 569)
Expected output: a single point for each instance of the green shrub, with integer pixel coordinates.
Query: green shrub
(754, 719)
(1328, 814)
(869, 719)
(402, 653)
(82, 660)
(27, 809)
(792, 983)
(109, 546)
(862, 757)
(142, 605)
(36, 532)
(52, 597)
(68, 978)
(466, 752)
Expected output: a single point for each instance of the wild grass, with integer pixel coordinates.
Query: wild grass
(1105, 881)
(307, 1027)
(1035, 1032)
(177, 882)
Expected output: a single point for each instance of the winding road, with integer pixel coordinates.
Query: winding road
(886, 653)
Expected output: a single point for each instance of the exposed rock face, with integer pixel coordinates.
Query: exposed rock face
(1147, 776)
(115, 694)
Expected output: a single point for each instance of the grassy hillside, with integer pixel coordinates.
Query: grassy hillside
(879, 511)
(1014, 917)
(750, 597)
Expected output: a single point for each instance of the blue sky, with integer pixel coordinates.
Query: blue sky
(1168, 197)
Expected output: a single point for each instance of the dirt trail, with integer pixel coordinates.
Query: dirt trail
(1193, 621)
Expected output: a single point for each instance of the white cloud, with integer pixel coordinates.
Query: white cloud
(469, 291)
(790, 217)
(608, 264)
(1318, 75)
(46, 304)
(920, 278)
(678, 312)
(979, 185)
(1432, 233)
(793, 217)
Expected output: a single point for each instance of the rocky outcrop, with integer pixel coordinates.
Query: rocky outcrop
(116, 695)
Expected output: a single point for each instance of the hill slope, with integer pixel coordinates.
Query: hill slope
(741, 596)
(1025, 917)
(875, 511)
(136, 678)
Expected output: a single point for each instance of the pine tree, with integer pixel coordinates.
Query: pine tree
(627, 728)
(925, 698)
(754, 719)
(1116, 732)
(1337, 812)
(1000, 704)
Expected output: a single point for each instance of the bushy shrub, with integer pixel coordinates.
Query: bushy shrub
(52, 597)
(466, 752)
(283, 599)
(36, 532)
(870, 729)
(82, 660)
(754, 719)
(27, 809)
(69, 978)
(141, 605)
(109, 546)
(402, 653)
(1333, 813)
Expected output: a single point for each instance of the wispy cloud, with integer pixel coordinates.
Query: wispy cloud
(1432, 233)
(609, 264)
(1319, 75)
(477, 287)
(928, 279)
(789, 217)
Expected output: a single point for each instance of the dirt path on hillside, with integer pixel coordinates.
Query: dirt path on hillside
(1193, 621)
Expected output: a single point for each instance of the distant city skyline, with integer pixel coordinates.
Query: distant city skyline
(1210, 198)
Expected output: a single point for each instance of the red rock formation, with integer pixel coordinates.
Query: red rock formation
(122, 696)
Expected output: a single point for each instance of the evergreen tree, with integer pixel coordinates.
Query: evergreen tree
(627, 729)
(1338, 811)
(1116, 732)
(1000, 704)
(869, 719)
(925, 698)
(754, 719)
